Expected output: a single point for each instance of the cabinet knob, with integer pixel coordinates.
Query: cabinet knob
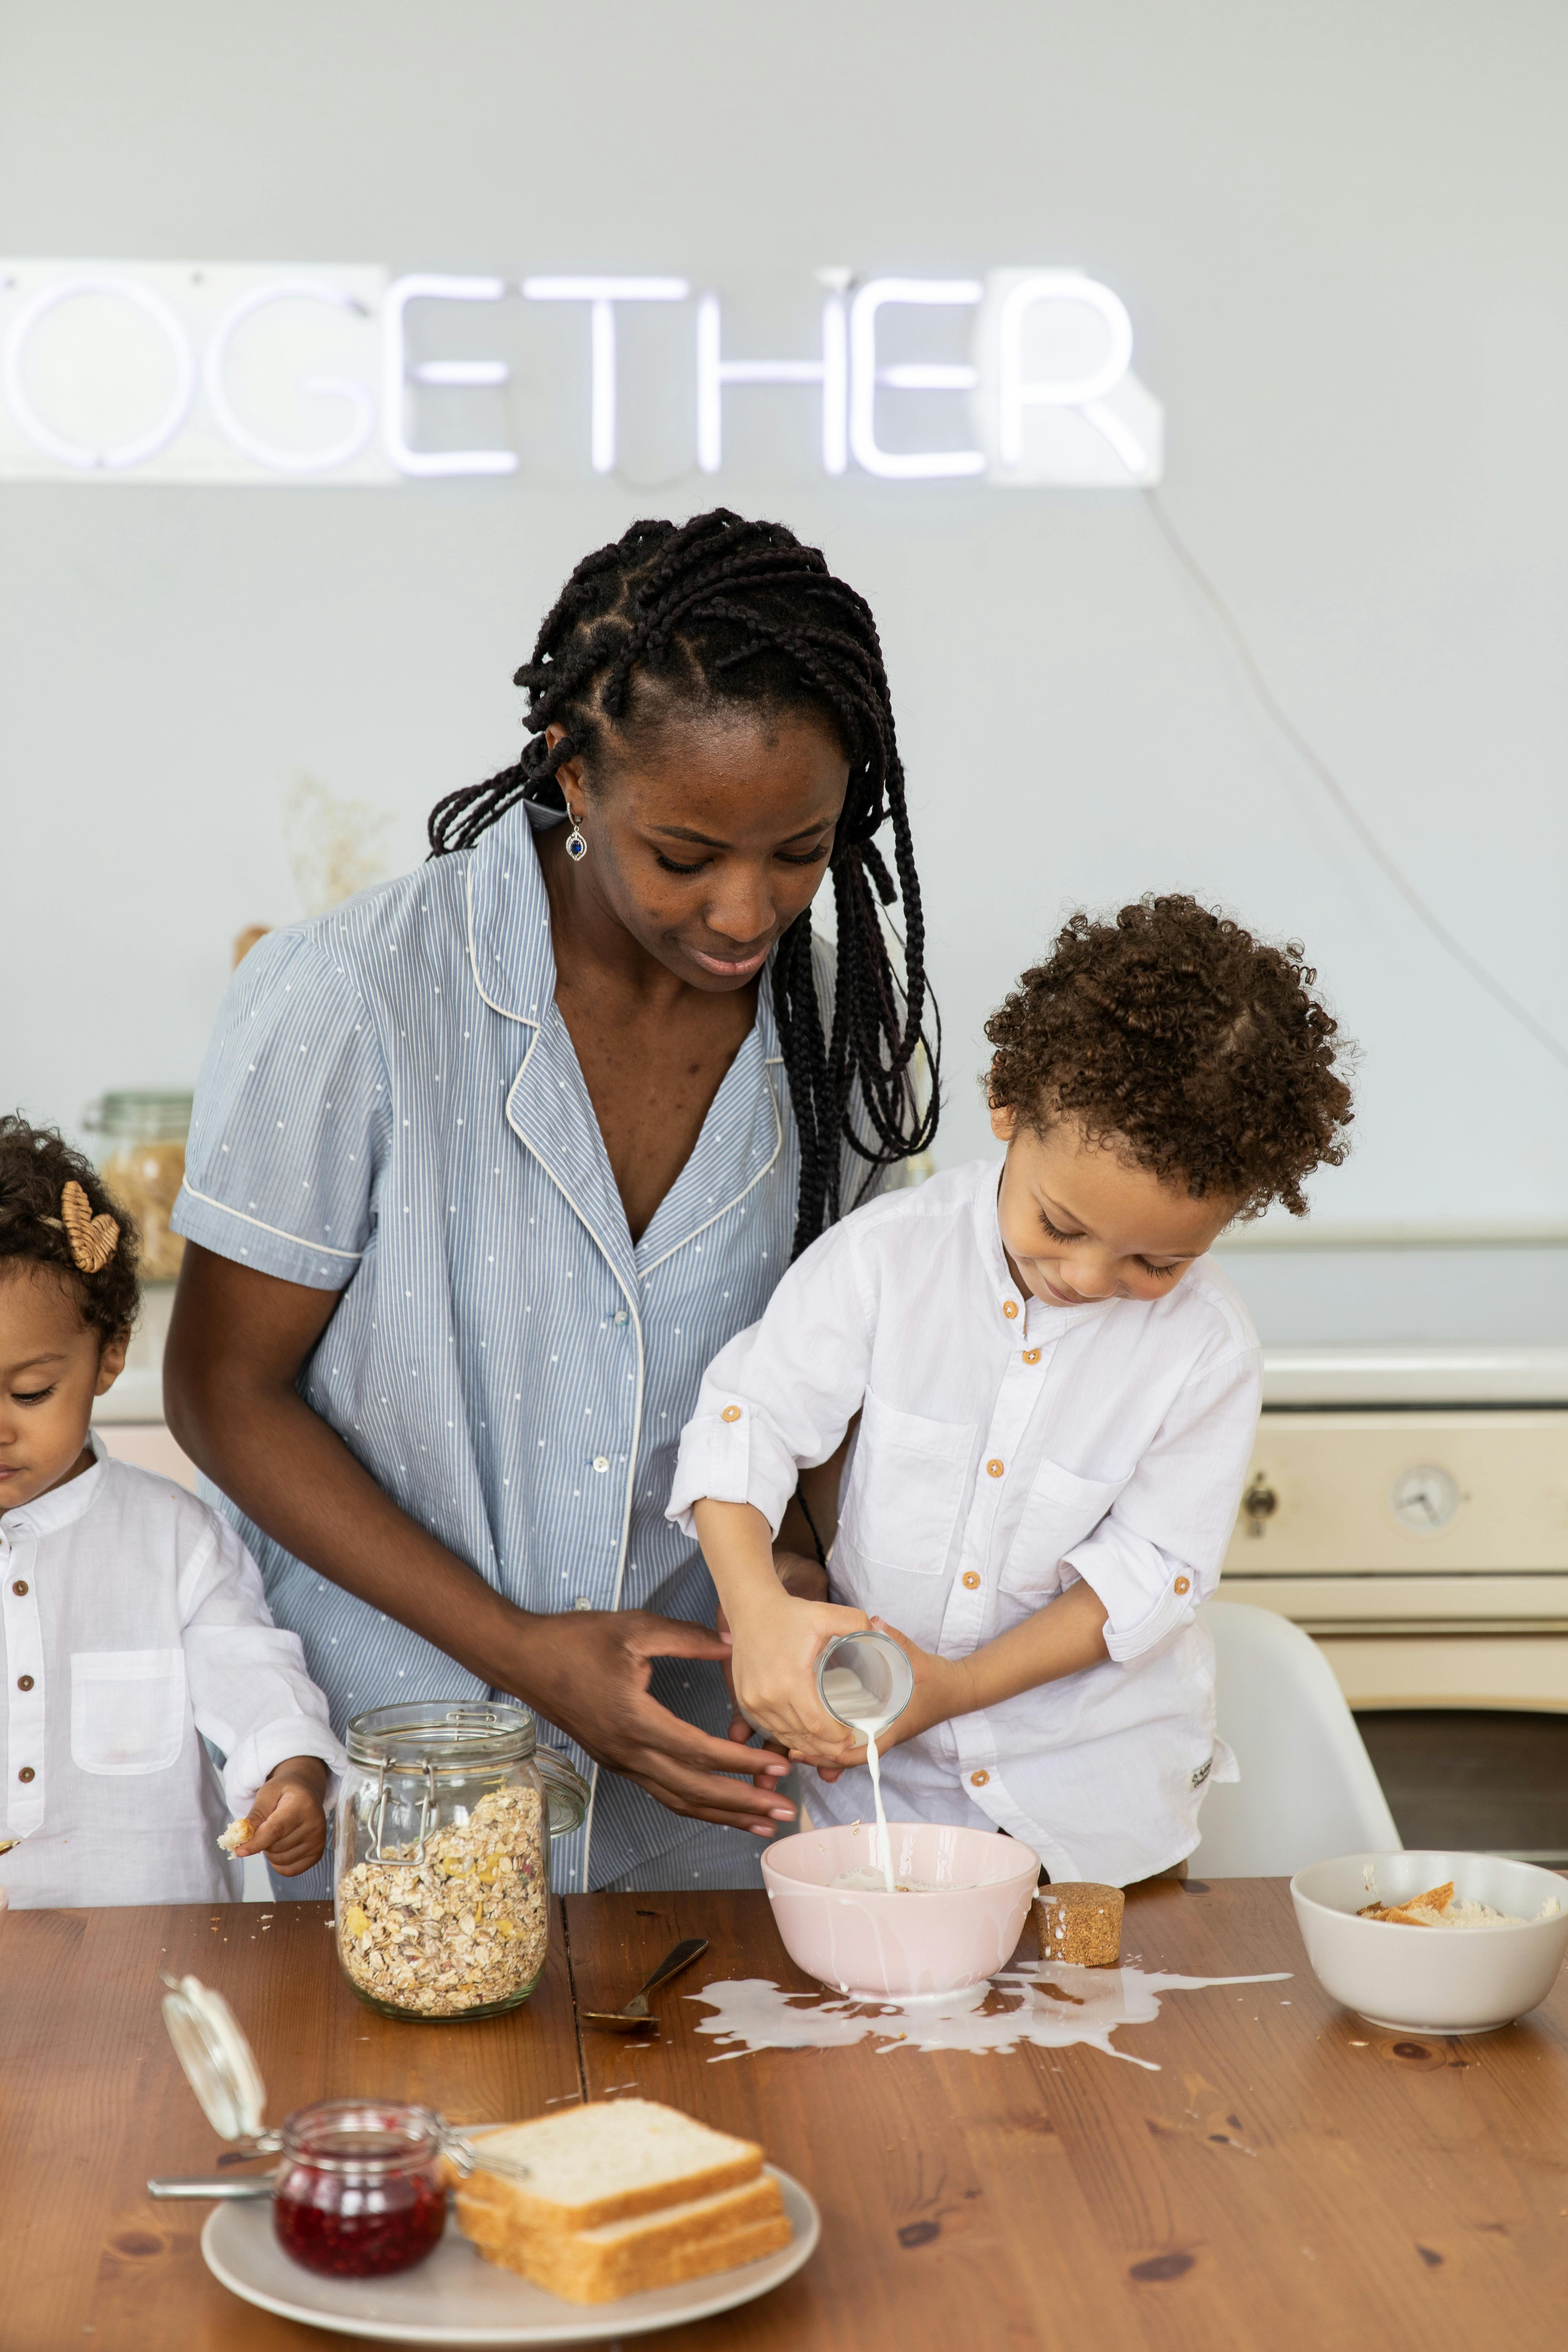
(1260, 1503)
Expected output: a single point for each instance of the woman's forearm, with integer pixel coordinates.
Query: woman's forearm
(235, 1347)
(292, 1473)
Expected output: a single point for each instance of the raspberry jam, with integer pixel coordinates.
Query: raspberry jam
(359, 2191)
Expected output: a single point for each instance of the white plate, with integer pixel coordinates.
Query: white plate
(457, 2297)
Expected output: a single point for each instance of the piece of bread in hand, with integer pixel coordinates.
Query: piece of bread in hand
(237, 1833)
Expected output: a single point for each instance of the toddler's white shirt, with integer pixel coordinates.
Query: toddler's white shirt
(135, 1617)
(1006, 1448)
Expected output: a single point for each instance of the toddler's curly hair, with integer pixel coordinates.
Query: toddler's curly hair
(36, 1166)
(1193, 1049)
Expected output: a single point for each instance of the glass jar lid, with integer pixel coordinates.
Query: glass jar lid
(218, 2061)
(430, 1733)
(432, 1738)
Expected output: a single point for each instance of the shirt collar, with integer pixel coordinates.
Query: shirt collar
(46, 1514)
(509, 952)
(1042, 1320)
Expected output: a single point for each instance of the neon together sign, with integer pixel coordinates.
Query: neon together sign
(232, 373)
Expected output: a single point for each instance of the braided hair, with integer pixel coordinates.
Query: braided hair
(720, 610)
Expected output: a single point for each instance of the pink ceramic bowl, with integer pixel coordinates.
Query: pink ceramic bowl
(889, 1946)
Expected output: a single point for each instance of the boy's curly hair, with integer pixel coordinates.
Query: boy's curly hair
(1201, 1053)
(36, 1166)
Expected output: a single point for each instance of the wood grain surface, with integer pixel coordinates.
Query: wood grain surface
(92, 2102)
(1289, 2177)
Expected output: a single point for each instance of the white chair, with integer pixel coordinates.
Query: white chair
(1308, 1790)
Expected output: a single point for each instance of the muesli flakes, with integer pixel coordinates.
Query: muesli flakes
(466, 1927)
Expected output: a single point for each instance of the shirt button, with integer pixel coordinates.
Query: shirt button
(1031, 1355)
(582, 1601)
(993, 1469)
(971, 1581)
(601, 1460)
(20, 1589)
(1010, 1308)
(623, 1315)
(731, 1412)
(1184, 1583)
(25, 1773)
(978, 1779)
(23, 1682)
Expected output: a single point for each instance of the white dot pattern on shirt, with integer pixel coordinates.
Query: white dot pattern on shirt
(421, 1169)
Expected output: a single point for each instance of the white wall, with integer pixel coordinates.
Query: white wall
(1338, 229)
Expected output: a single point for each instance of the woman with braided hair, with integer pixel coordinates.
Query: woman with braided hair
(487, 1164)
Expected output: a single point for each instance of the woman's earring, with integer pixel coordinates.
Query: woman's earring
(577, 847)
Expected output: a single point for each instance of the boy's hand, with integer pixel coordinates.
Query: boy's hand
(941, 1690)
(287, 1821)
(806, 1580)
(776, 1646)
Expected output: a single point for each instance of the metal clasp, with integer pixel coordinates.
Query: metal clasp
(427, 1810)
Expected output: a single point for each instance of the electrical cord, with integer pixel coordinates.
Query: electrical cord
(1281, 718)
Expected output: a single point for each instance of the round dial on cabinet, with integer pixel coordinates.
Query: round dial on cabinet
(1424, 1500)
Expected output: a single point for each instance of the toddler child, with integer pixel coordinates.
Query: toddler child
(1055, 1397)
(133, 1624)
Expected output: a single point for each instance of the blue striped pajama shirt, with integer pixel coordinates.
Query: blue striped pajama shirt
(391, 1108)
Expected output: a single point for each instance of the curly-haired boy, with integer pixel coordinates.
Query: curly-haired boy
(1056, 1394)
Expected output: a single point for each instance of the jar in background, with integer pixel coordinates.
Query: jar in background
(359, 2191)
(444, 1822)
(142, 1159)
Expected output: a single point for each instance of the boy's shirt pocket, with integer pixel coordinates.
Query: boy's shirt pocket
(129, 1709)
(1061, 1510)
(907, 1486)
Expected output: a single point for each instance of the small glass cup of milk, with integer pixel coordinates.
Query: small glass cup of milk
(865, 1680)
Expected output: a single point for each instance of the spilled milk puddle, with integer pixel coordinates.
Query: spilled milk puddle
(1050, 2004)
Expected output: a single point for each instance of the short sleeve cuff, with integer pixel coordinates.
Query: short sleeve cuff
(731, 1454)
(231, 1234)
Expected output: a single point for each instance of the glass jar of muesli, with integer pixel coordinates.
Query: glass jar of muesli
(444, 1825)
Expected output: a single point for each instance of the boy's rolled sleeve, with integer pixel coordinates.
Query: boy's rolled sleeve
(781, 1395)
(1157, 1553)
(291, 1108)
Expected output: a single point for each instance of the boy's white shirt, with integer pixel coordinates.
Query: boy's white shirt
(139, 1616)
(1006, 1448)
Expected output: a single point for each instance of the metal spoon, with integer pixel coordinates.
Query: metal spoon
(226, 2186)
(636, 2012)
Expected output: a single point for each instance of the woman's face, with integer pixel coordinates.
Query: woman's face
(707, 839)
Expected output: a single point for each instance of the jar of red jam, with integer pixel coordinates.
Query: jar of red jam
(358, 2190)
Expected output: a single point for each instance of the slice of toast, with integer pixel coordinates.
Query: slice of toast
(605, 2162)
(689, 2240)
(1421, 1911)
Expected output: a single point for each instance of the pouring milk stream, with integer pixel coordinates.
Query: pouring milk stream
(865, 1681)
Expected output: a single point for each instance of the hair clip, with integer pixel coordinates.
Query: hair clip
(93, 1239)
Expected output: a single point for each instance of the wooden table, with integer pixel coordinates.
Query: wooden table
(1290, 2176)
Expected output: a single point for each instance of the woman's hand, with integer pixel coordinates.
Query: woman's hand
(941, 1690)
(287, 1821)
(587, 1671)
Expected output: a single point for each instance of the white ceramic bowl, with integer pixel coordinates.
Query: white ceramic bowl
(1432, 1979)
(890, 1947)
